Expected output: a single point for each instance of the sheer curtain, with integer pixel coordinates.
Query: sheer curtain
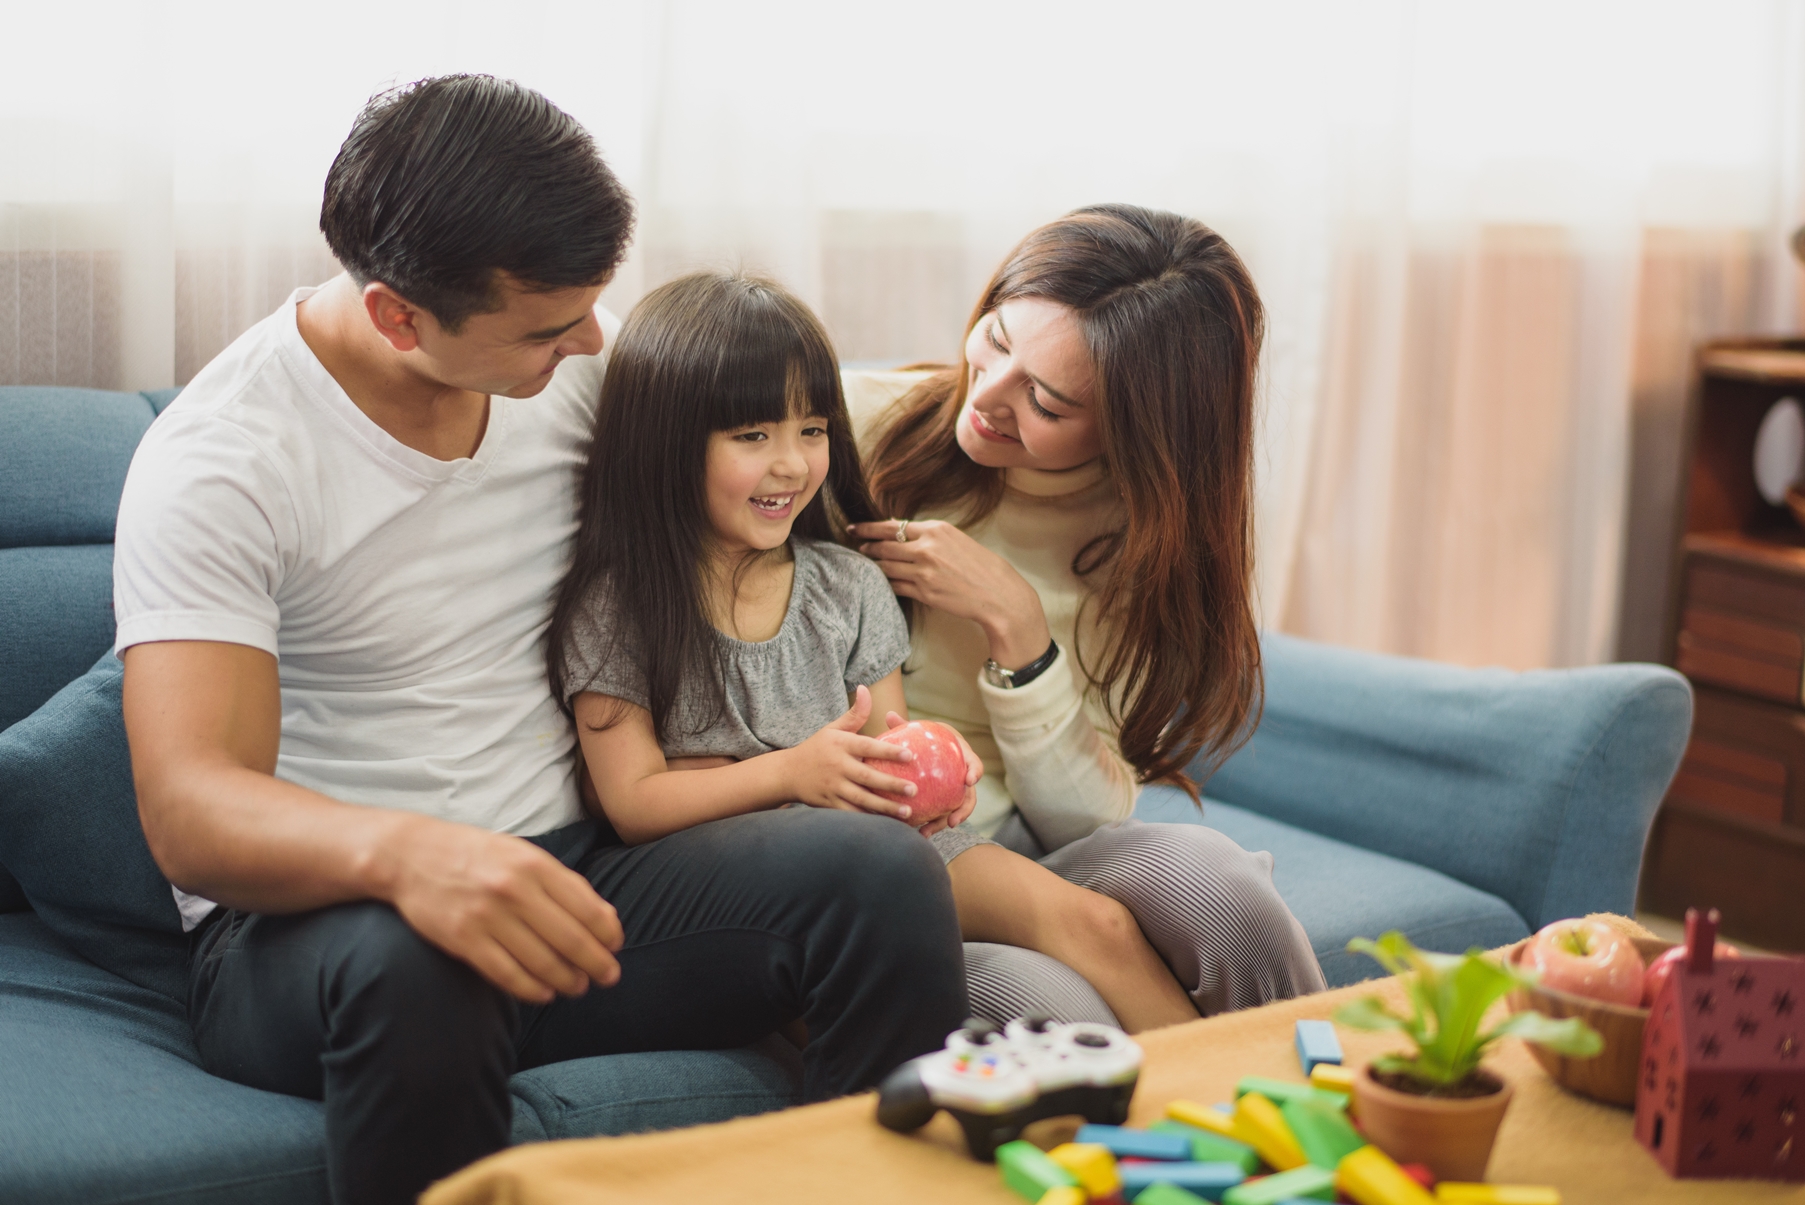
(1487, 235)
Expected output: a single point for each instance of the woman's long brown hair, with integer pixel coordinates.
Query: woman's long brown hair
(1174, 326)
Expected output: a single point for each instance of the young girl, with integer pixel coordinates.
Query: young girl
(712, 627)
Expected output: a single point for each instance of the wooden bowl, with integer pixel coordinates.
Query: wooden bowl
(1610, 1075)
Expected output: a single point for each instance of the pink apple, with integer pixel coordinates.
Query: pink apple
(1587, 958)
(1661, 969)
(938, 770)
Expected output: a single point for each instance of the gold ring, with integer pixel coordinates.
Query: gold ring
(902, 531)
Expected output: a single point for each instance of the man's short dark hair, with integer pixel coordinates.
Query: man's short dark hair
(444, 182)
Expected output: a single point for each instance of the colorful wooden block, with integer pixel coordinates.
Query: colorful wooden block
(1420, 1172)
(1029, 1172)
(1370, 1177)
(1065, 1194)
(1332, 1077)
(1216, 1121)
(1168, 1194)
(1451, 1192)
(1316, 1043)
(1123, 1142)
(1260, 1125)
(1323, 1132)
(1094, 1166)
(1305, 1183)
(1207, 1180)
(1210, 1147)
(1278, 1091)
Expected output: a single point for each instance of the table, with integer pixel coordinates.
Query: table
(835, 1153)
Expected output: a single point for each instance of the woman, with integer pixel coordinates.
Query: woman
(1074, 535)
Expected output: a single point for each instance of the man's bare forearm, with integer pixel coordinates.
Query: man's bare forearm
(204, 722)
(254, 842)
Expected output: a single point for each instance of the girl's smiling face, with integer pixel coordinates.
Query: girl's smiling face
(759, 479)
(1030, 396)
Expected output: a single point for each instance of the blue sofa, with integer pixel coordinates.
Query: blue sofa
(1464, 807)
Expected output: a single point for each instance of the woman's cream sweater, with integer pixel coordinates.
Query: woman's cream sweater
(1049, 748)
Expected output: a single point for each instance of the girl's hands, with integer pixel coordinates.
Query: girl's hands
(829, 770)
(974, 770)
(944, 568)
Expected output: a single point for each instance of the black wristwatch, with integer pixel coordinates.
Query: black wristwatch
(1009, 679)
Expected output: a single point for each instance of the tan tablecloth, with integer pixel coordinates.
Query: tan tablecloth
(837, 1153)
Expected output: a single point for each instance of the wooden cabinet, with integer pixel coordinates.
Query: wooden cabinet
(1731, 832)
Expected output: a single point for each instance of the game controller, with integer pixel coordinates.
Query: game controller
(997, 1081)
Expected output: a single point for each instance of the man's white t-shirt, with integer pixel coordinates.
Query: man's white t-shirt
(405, 598)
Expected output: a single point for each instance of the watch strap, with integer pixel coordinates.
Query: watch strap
(1010, 679)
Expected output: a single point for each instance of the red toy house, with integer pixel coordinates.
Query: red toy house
(1723, 1065)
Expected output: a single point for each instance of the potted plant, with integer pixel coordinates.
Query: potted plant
(1439, 1106)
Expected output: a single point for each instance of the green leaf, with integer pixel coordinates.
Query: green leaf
(1369, 1012)
(1571, 1036)
(1381, 951)
(1461, 997)
(1449, 996)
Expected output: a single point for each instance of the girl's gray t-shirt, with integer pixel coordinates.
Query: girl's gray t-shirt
(843, 629)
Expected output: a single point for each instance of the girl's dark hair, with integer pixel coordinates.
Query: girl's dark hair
(443, 183)
(707, 352)
(1174, 326)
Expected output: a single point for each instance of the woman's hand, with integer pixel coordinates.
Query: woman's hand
(974, 770)
(942, 567)
(829, 768)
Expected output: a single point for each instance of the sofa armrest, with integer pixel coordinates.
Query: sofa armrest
(1538, 787)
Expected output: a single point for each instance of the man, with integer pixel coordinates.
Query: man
(335, 561)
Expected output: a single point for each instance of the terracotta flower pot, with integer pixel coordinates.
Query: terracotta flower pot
(1452, 1135)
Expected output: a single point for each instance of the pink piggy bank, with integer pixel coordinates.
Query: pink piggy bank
(938, 770)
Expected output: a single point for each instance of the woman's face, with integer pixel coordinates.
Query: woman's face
(1030, 400)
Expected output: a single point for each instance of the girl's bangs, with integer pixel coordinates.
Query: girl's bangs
(774, 371)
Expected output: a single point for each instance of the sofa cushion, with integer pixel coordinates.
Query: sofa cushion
(159, 399)
(1339, 891)
(1537, 787)
(58, 608)
(70, 835)
(66, 455)
(102, 1097)
(12, 896)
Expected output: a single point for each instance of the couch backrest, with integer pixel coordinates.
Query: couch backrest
(63, 457)
(1538, 787)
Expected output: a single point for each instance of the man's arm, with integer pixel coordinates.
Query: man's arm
(204, 723)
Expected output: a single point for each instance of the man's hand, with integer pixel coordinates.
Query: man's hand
(529, 924)
(204, 722)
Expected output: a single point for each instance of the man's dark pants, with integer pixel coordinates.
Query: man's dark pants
(733, 929)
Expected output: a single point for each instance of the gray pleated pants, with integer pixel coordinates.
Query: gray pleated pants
(1205, 904)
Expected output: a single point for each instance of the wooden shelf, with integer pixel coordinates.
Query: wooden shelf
(1779, 548)
(1787, 835)
(1731, 832)
(1769, 365)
